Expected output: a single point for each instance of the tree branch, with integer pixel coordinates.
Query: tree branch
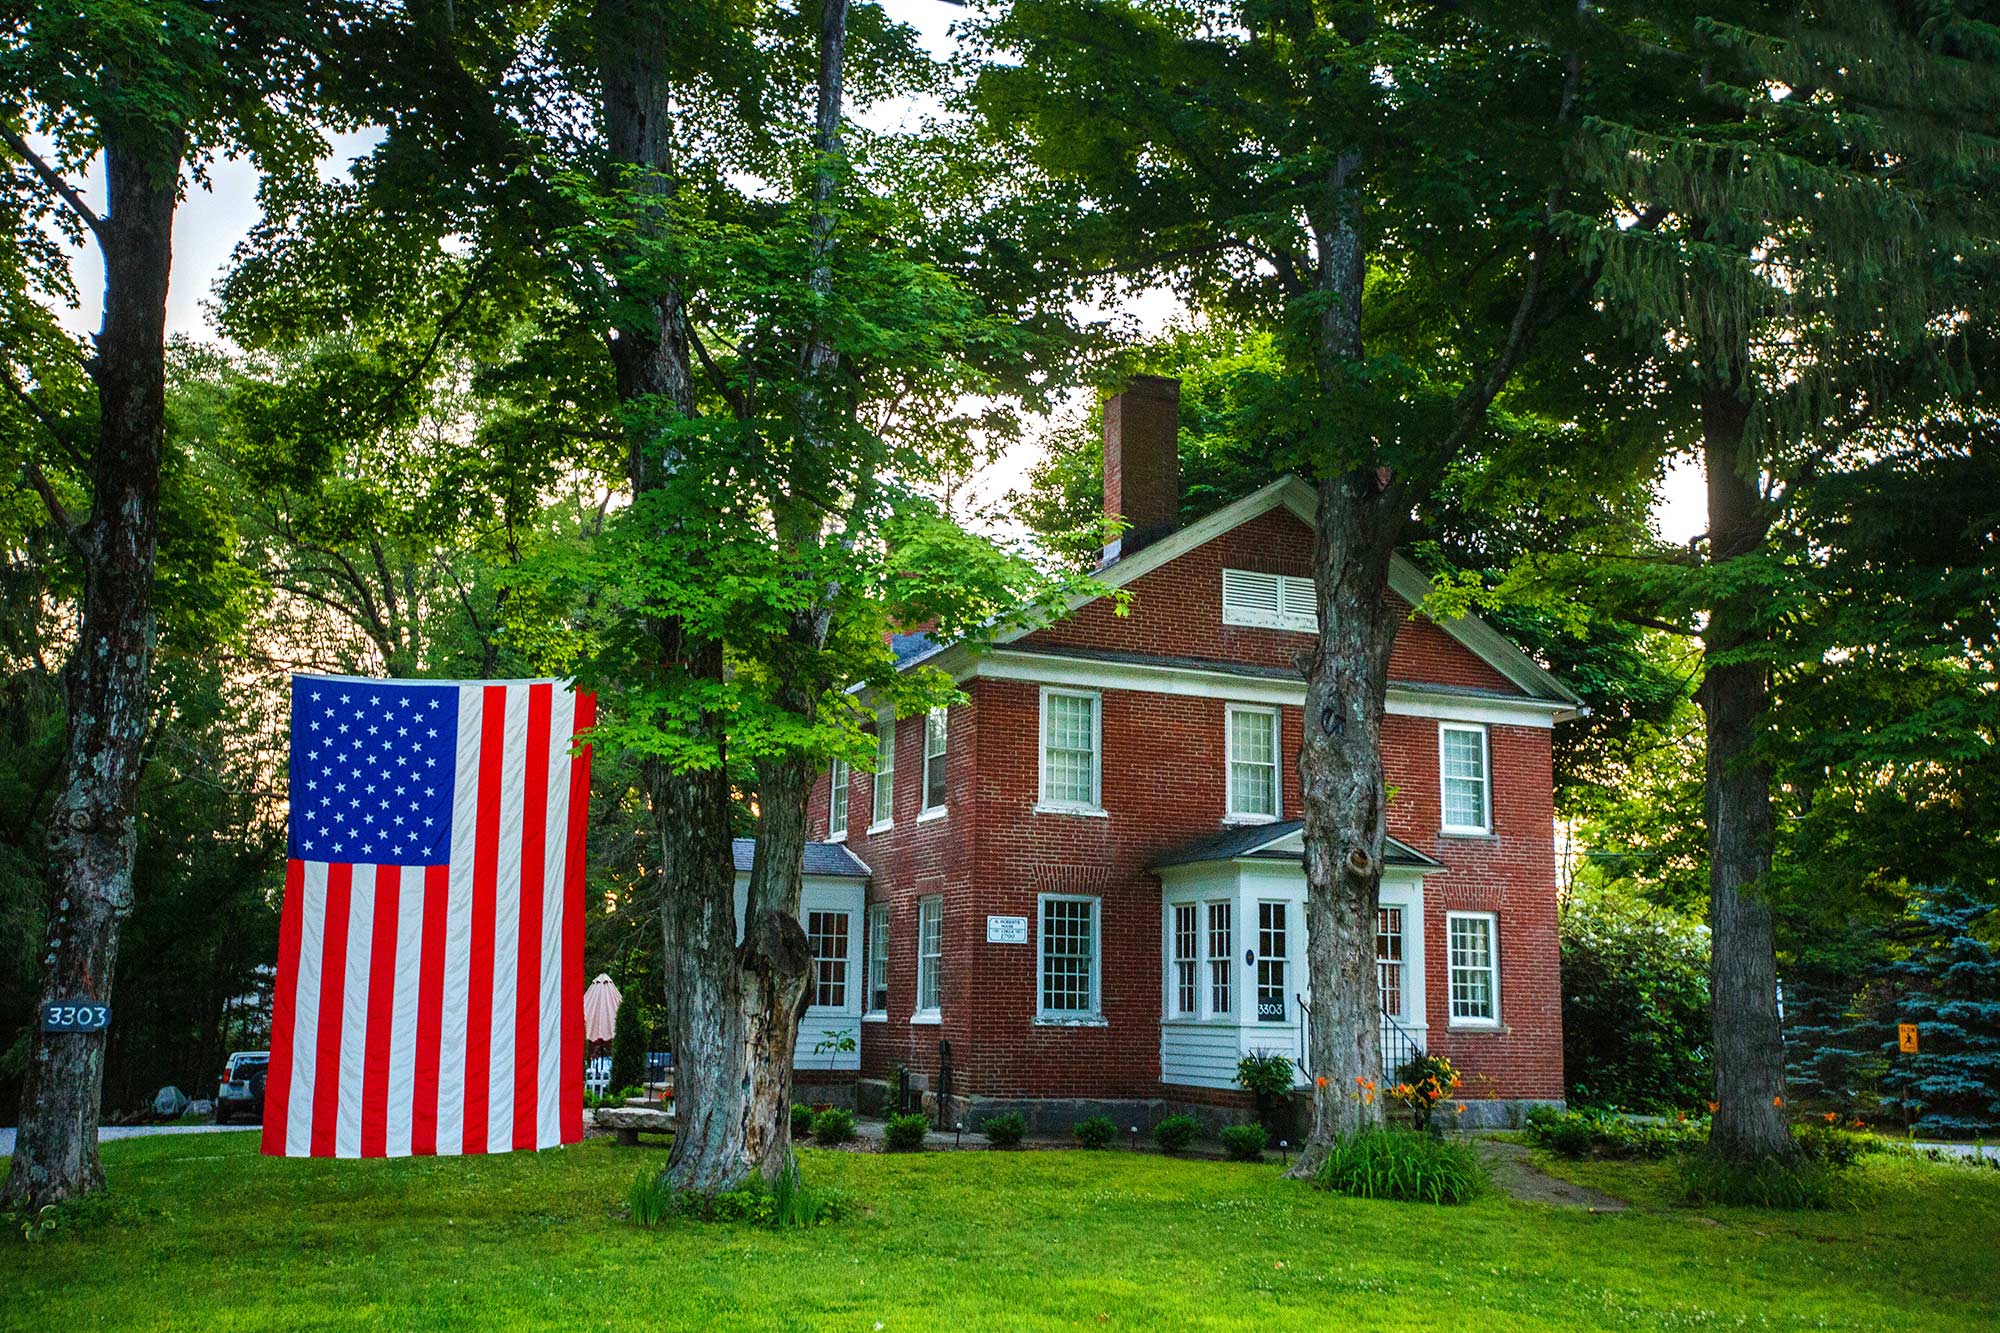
(53, 179)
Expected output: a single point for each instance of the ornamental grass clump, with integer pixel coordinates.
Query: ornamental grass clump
(1705, 1179)
(1397, 1164)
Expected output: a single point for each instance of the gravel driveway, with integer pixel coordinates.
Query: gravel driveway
(109, 1132)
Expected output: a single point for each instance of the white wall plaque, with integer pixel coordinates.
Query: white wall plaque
(1006, 930)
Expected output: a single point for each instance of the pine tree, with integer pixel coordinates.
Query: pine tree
(1949, 984)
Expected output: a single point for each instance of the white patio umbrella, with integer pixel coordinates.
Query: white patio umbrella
(600, 1009)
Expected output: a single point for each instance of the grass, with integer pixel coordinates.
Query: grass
(204, 1233)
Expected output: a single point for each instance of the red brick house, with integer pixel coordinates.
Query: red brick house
(1084, 882)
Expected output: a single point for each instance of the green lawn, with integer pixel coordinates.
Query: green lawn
(204, 1233)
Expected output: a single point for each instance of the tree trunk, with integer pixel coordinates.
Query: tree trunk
(93, 828)
(776, 960)
(1340, 771)
(1748, 1046)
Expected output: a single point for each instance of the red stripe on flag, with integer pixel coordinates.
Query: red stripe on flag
(430, 1013)
(284, 1003)
(572, 944)
(332, 998)
(381, 1012)
(528, 983)
(485, 876)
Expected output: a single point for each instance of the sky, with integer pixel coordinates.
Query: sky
(212, 221)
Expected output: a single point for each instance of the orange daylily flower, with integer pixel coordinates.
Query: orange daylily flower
(1777, 1101)
(1322, 1080)
(1713, 1107)
(1832, 1117)
(1461, 1108)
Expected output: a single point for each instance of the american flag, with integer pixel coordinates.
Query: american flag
(430, 952)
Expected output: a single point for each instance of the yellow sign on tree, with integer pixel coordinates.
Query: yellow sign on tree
(1906, 1038)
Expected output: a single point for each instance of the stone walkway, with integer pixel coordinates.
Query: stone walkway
(1519, 1178)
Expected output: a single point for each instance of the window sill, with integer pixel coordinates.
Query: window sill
(1475, 1025)
(1242, 821)
(837, 837)
(1071, 1021)
(1219, 1021)
(875, 1016)
(933, 815)
(927, 1018)
(1087, 811)
(882, 827)
(1465, 833)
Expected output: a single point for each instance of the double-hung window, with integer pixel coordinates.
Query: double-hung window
(1463, 777)
(826, 934)
(875, 945)
(930, 954)
(885, 772)
(836, 821)
(1389, 959)
(1068, 976)
(1070, 750)
(1475, 968)
(1221, 964)
(1253, 763)
(1185, 992)
(934, 738)
(1271, 957)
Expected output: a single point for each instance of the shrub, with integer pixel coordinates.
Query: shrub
(1245, 1143)
(650, 1197)
(1836, 1147)
(1422, 1083)
(1005, 1130)
(905, 1133)
(1265, 1074)
(1635, 1006)
(1588, 1133)
(833, 1125)
(1703, 1178)
(1176, 1132)
(802, 1120)
(1396, 1164)
(1096, 1132)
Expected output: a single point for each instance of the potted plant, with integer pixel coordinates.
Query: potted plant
(1266, 1076)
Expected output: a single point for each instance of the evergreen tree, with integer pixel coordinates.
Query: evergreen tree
(1948, 984)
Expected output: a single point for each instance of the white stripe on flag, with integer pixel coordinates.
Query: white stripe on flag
(458, 927)
(507, 922)
(403, 1019)
(305, 1011)
(354, 1012)
(555, 849)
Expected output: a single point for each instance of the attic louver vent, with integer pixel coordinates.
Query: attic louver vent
(1273, 601)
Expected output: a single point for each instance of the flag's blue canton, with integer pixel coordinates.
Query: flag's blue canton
(372, 766)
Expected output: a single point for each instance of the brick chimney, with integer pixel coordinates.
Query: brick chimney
(1142, 465)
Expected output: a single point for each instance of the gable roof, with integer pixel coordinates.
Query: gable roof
(1283, 841)
(821, 858)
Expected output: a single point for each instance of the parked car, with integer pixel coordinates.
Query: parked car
(241, 1093)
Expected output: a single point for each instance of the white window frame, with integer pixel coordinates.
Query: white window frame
(1283, 960)
(1230, 812)
(938, 720)
(1220, 965)
(1401, 962)
(874, 960)
(1485, 826)
(836, 802)
(844, 963)
(885, 774)
(930, 967)
(1094, 1014)
(1178, 962)
(1095, 805)
(1492, 969)
(1293, 601)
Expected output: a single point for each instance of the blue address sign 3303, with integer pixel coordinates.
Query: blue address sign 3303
(75, 1016)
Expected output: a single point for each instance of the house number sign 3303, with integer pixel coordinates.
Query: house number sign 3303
(75, 1016)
